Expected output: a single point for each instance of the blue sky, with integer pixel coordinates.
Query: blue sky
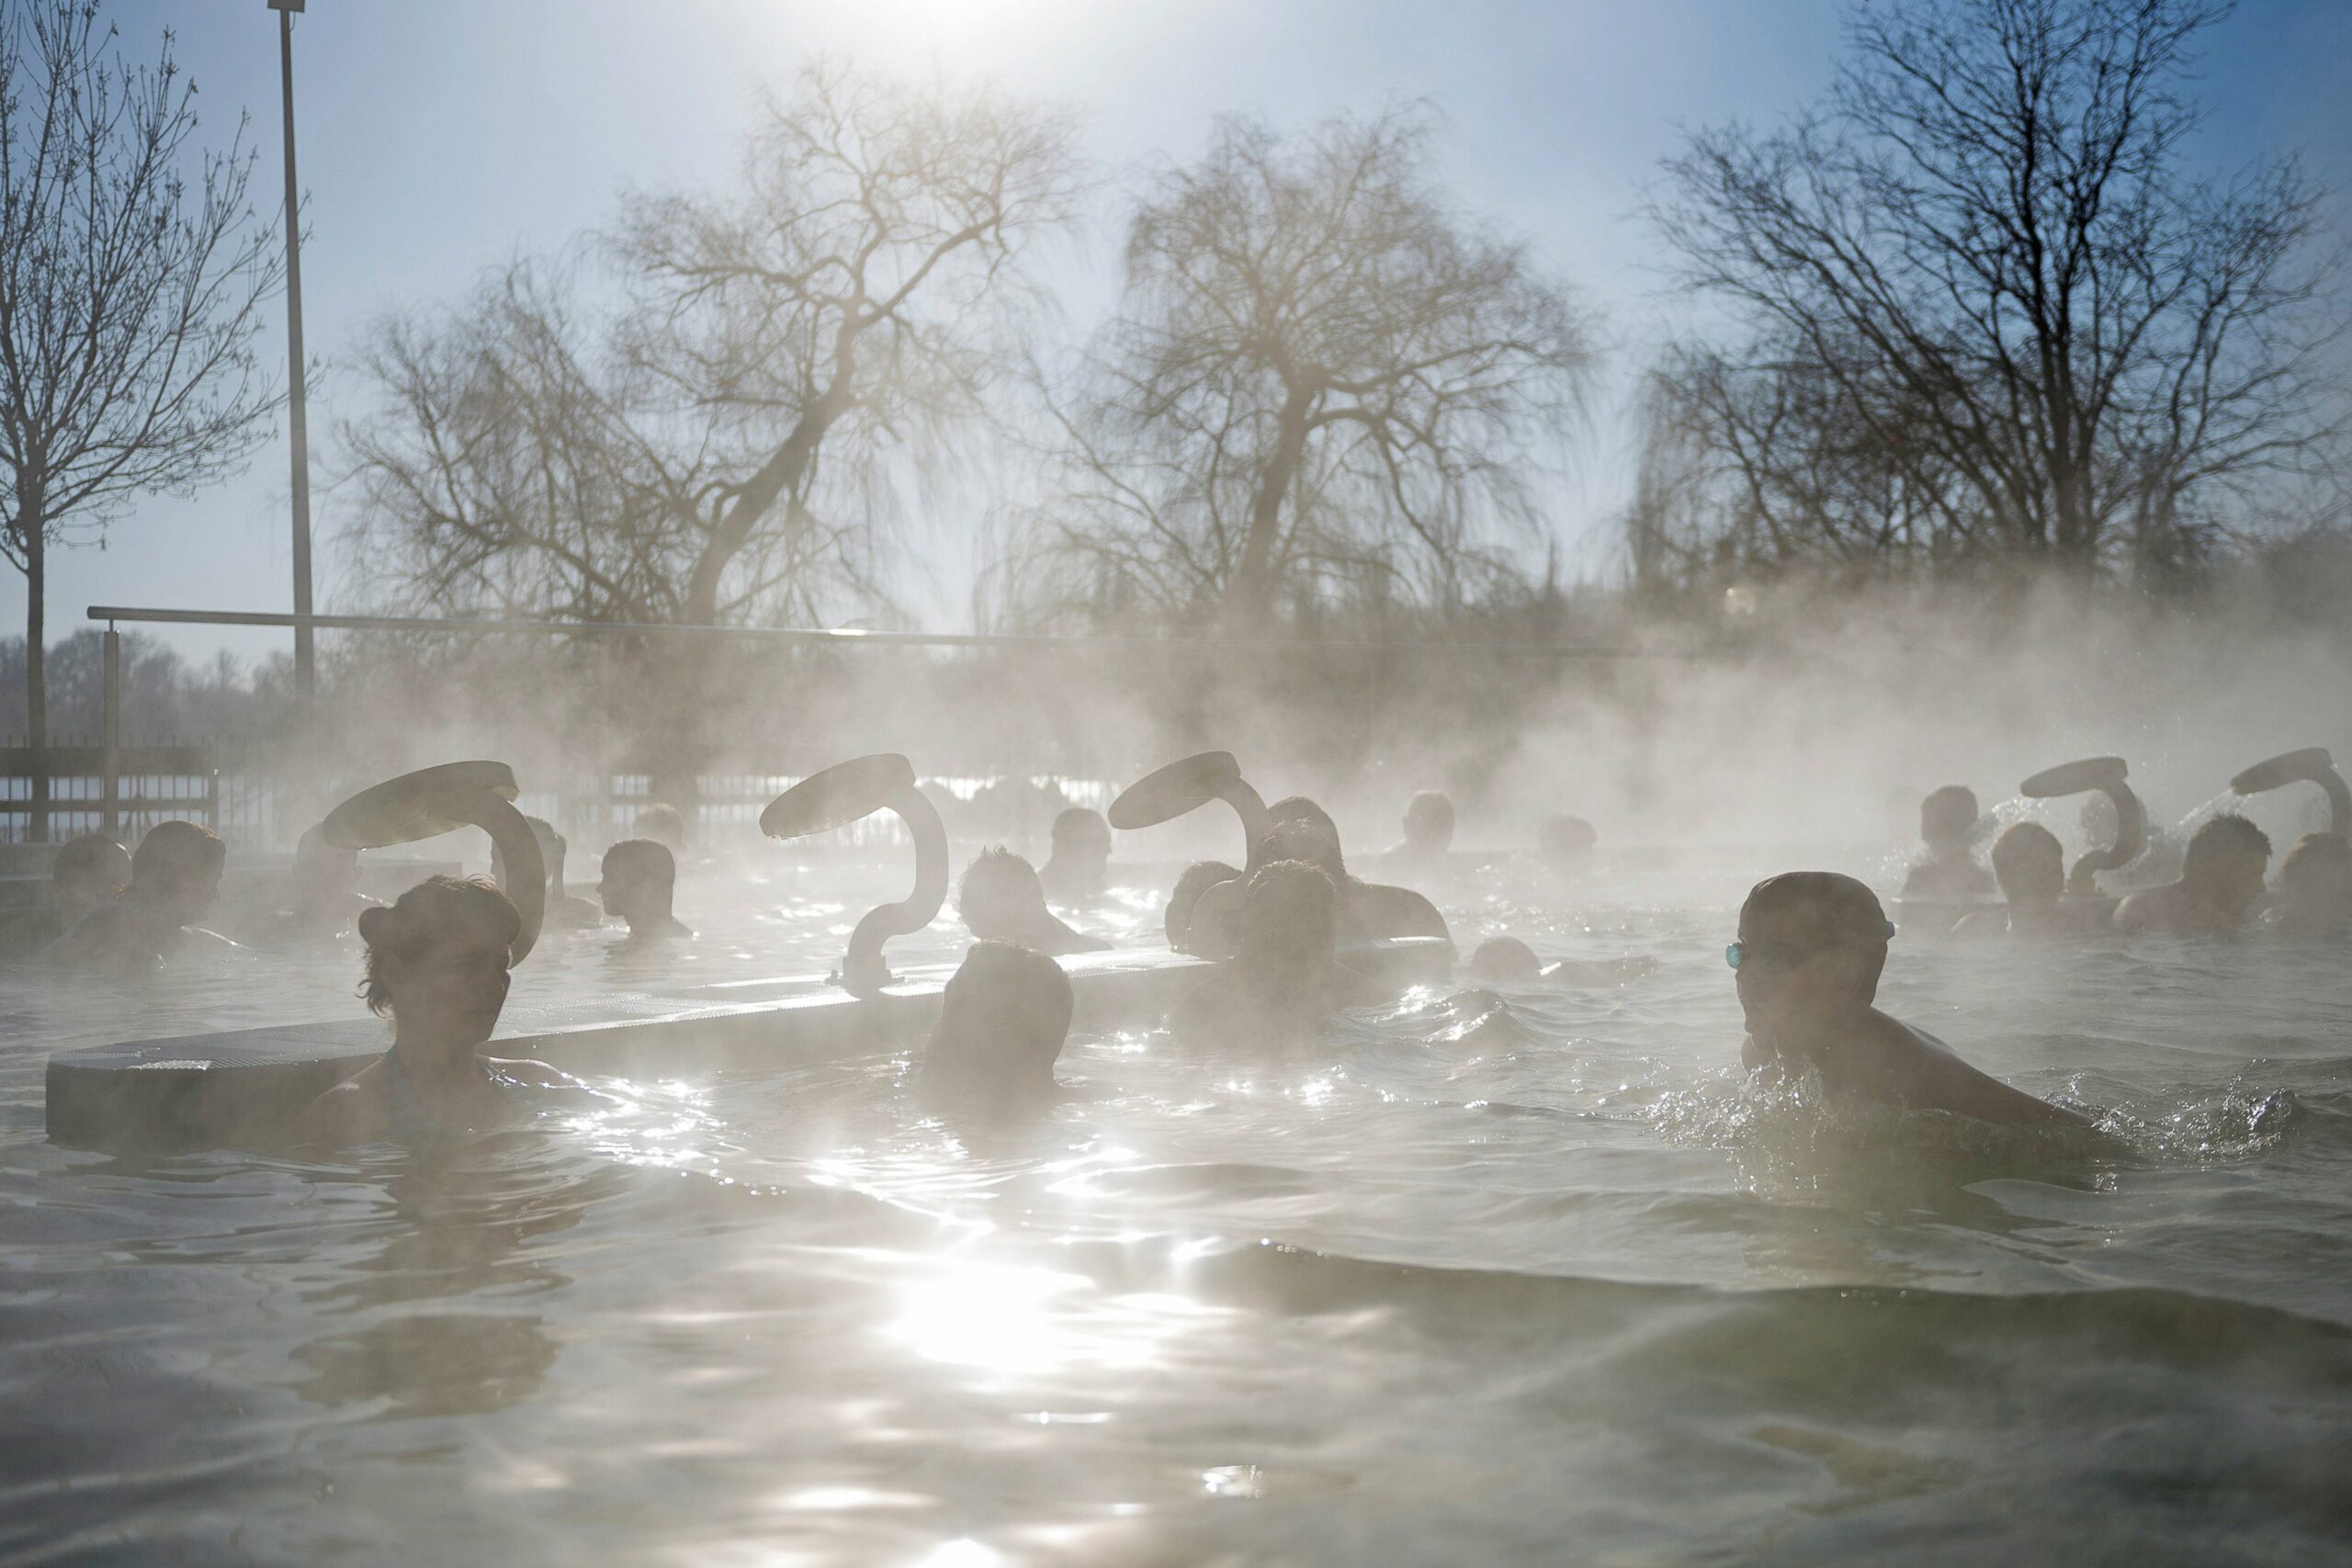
(440, 137)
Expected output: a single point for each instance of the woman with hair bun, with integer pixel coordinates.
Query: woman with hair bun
(437, 964)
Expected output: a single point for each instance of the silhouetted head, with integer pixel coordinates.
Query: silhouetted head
(1428, 822)
(88, 871)
(1505, 960)
(663, 823)
(2227, 860)
(1198, 878)
(437, 959)
(641, 877)
(1303, 831)
(1290, 916)
(1081, 852)
(1001, 897)
(324, 872)
(2029, 864)
(1002, 1018)
(1812, 945)
(1566, 842)
(1947, 815)
(2316, 884)
(176, 871)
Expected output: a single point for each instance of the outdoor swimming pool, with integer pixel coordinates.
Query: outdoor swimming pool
(1517, 1276)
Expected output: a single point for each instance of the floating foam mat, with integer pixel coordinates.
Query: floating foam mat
(234, 1086)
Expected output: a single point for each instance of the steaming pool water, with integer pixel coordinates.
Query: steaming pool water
(1484, 1277)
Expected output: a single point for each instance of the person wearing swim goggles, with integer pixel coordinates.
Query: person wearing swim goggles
(1811, 947)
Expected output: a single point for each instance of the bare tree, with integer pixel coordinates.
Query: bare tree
(132, 275)
(706, 432)
(1986, 254)
(1322, 375)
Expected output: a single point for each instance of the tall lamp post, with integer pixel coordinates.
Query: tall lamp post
(305, 674)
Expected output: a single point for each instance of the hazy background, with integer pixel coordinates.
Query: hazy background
(440, 139)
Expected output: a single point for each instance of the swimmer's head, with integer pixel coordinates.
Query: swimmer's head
(662, 822)
(1081, 852)
(2226, 861)
(1947, 815)
(1002, 1018)
(1290, 915)
(1428, 821)
(1303, 831)
(640, 876)
(2029, 864)
(88, 871)
(1812, 943)
(323, 870)
(176, 870)
(1001, 895)
(438, 958)
(1198, 878)
(1505, 960)
(1564, 841)
(2315, 883)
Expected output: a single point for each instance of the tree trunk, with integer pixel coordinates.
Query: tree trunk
(1252, 592)
(36, 685)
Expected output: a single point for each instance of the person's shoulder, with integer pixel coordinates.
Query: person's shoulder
(350, 1113)
(2149, 909)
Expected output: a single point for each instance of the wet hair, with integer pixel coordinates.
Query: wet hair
(1431, 807)
(175, 850)
(1503, 960)
(2313, 859)
(1829, 910)
(661, 821)
(1198, 878)
(1080, 820)
(2023, 849)
(1564, 835)
(643, 859)
(1290, 907)
(997, 869)
(2225, 836)
(423, 916)
(92, 854)
(1948, 814)
(1303, 831)
(1003, 1016)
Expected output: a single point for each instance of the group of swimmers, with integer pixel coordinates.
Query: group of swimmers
(116, 911)
(1811, 948)
(2222, 887)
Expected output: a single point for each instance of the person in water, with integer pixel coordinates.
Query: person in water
(1002, 899)
(1812, 945)
(1368, 910)
(1285, 974)
(565, 911)
(437, 964)
(86, 874)
(1947, 871)
(174, 880)
(1429, 830)
(1002, 1018)
(1566, 844)
(323, 894)
(2220, 880)
(2315, 888)
(1183, 906)
(640, 876)
(2030, 867)
(1080, 860)
(1507, 961)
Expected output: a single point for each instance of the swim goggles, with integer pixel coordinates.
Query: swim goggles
(1739, 951)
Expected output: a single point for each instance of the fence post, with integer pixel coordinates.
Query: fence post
(110, 810)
